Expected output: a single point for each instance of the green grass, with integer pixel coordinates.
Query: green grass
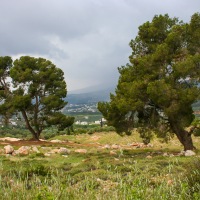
(103, 138)
(98, 175)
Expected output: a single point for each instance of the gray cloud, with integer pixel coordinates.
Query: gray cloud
(87, 39)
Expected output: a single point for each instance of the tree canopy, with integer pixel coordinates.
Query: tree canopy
(6, 110)
(157, 88)
(39, 92)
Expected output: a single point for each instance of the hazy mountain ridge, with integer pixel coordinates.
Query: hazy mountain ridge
(89, 97)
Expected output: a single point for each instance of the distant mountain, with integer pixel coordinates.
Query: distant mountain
(89, 97)
(95, 88)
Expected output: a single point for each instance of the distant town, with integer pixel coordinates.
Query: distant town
(85, 113)
(81, 108)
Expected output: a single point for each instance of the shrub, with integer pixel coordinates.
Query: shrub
(197, 132)
(146, 134)
(14, 132)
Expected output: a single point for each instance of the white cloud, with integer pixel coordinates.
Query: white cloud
(87, 39)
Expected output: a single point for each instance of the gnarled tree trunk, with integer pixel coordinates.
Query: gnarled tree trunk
(183, 136)
(34, 133)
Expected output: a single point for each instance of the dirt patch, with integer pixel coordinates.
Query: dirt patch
(45, 143)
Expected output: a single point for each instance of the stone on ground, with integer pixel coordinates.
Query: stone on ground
(80, 151)
(8, 149)
(190, 153)
(63, 151)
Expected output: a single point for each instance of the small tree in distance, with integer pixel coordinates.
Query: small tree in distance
(157, 88)
(39, 89)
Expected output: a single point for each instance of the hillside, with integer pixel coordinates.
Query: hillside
(89, 97)
(98, 166)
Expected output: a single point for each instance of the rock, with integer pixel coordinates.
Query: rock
(10, 139)
(141, 145)
(11, 181)
(99, 180)
(9, 149)
(23, 150)
(113, 153)
(86, 160)
(182, 153)
(63, 151)
(115, 146)
(54, 151)
(170, 182)
(107, 185)
(14, 153)
(80, 151)
(46, 148)
(95, 138)
(149, 157)
(190, 153)
(35, 149)
(150, 145)
(138, 145)
(43, 140)
(106, 146)
(56, 141)
(135, 144)
(165, 154)
(47, 154)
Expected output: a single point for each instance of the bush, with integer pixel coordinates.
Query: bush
(48, 135)
(146, 134)
(196, 123)
(197, 132)
(101, 129)
(14, 132)
(92, 129)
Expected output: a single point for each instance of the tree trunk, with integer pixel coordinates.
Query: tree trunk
(6, 119)
(34, 133)
(36, 136)
(183, 136)
(186, 140)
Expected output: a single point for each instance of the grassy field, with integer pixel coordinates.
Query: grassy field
(122, 172)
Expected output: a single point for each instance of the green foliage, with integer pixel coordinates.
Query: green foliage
(5, 65)
(90, 129)
(146, 134)
(48, 134)
(100, 176)
(160, 84)
(39, 92)
(60, 120)
(14, 132)
(196, 124)
(52, 132)
(6, 110)
(101, 129)
(197, 133)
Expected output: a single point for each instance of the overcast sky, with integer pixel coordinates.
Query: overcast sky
(87, 39)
